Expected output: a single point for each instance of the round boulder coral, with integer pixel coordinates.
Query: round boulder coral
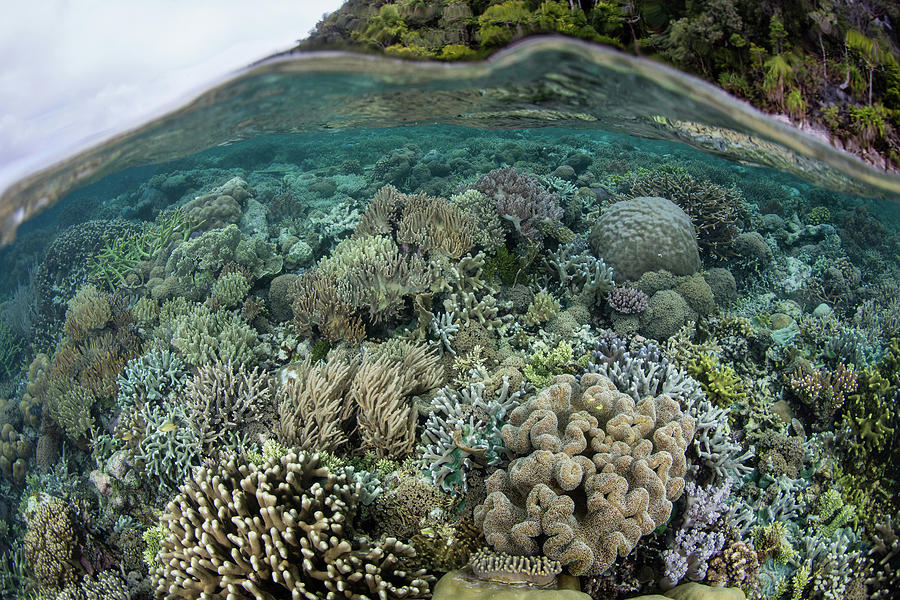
(697, 293)
(665, 315)
(646, 234)
(723, 286)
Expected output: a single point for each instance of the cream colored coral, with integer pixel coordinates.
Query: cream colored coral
(280, 529)
(318, 400)
(88, 310)
(595, 472)
(313, 405)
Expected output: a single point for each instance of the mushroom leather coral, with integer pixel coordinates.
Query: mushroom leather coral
(594, 472)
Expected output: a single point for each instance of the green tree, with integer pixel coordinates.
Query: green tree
(779, 74)
(796, 105)
(501, 23)
(871, 50)
(777, 33)
(385, 28)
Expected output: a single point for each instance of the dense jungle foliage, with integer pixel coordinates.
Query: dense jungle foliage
(828, 64)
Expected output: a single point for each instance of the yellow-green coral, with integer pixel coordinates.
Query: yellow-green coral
(771, 540)
(830, 504)
(152, 538)
(542, 308)
(88, 311)
(818, 215)
(547, 364)
(201, 336)
(230, 289)
(722, 386)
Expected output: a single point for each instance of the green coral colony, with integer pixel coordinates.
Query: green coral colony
(443, 362)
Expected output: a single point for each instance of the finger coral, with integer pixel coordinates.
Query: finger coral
(594, 472)
(280, 529)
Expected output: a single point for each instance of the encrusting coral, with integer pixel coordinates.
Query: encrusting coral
(594, 472)
(275, 530)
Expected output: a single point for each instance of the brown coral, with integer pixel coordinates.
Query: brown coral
(313, 404)
(594, 473)
(276, 530)
(435, 224)
(224, 400)
(316, 401)
(737, 565)
(51, 544)
(88, 310)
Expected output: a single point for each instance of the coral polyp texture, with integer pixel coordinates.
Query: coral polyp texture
(594, 471)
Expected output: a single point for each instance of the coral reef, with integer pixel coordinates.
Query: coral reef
(499, 347)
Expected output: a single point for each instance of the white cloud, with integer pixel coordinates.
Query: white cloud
(78, 70)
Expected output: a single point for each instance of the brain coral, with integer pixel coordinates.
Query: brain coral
(646, 234)
(594, 472)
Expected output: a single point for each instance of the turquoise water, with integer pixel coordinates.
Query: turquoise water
(579, 316)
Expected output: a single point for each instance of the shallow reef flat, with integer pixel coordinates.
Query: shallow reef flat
(405, 362)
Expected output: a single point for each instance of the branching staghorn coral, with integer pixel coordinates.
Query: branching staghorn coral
(484, 310)
(594, 472)
(643, 372)
(169, 447)
(700, 535)
(713, 442)
(444, 327)
(584, 276)
(151, 376)
(276, 530)
(223, 401)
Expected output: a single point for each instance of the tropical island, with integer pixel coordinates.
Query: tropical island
(829, 66)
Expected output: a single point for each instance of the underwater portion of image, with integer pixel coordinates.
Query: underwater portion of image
(440, 361)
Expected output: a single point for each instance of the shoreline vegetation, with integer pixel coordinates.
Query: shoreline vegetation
(830, 67)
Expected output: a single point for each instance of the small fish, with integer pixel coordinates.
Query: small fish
(168, 426)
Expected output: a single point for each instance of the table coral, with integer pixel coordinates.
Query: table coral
(594, 472)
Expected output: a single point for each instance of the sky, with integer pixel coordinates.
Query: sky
(75, 71)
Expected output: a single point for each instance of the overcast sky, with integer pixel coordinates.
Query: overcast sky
(74, 70)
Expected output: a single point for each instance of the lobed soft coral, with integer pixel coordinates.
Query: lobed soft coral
(594, 472)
